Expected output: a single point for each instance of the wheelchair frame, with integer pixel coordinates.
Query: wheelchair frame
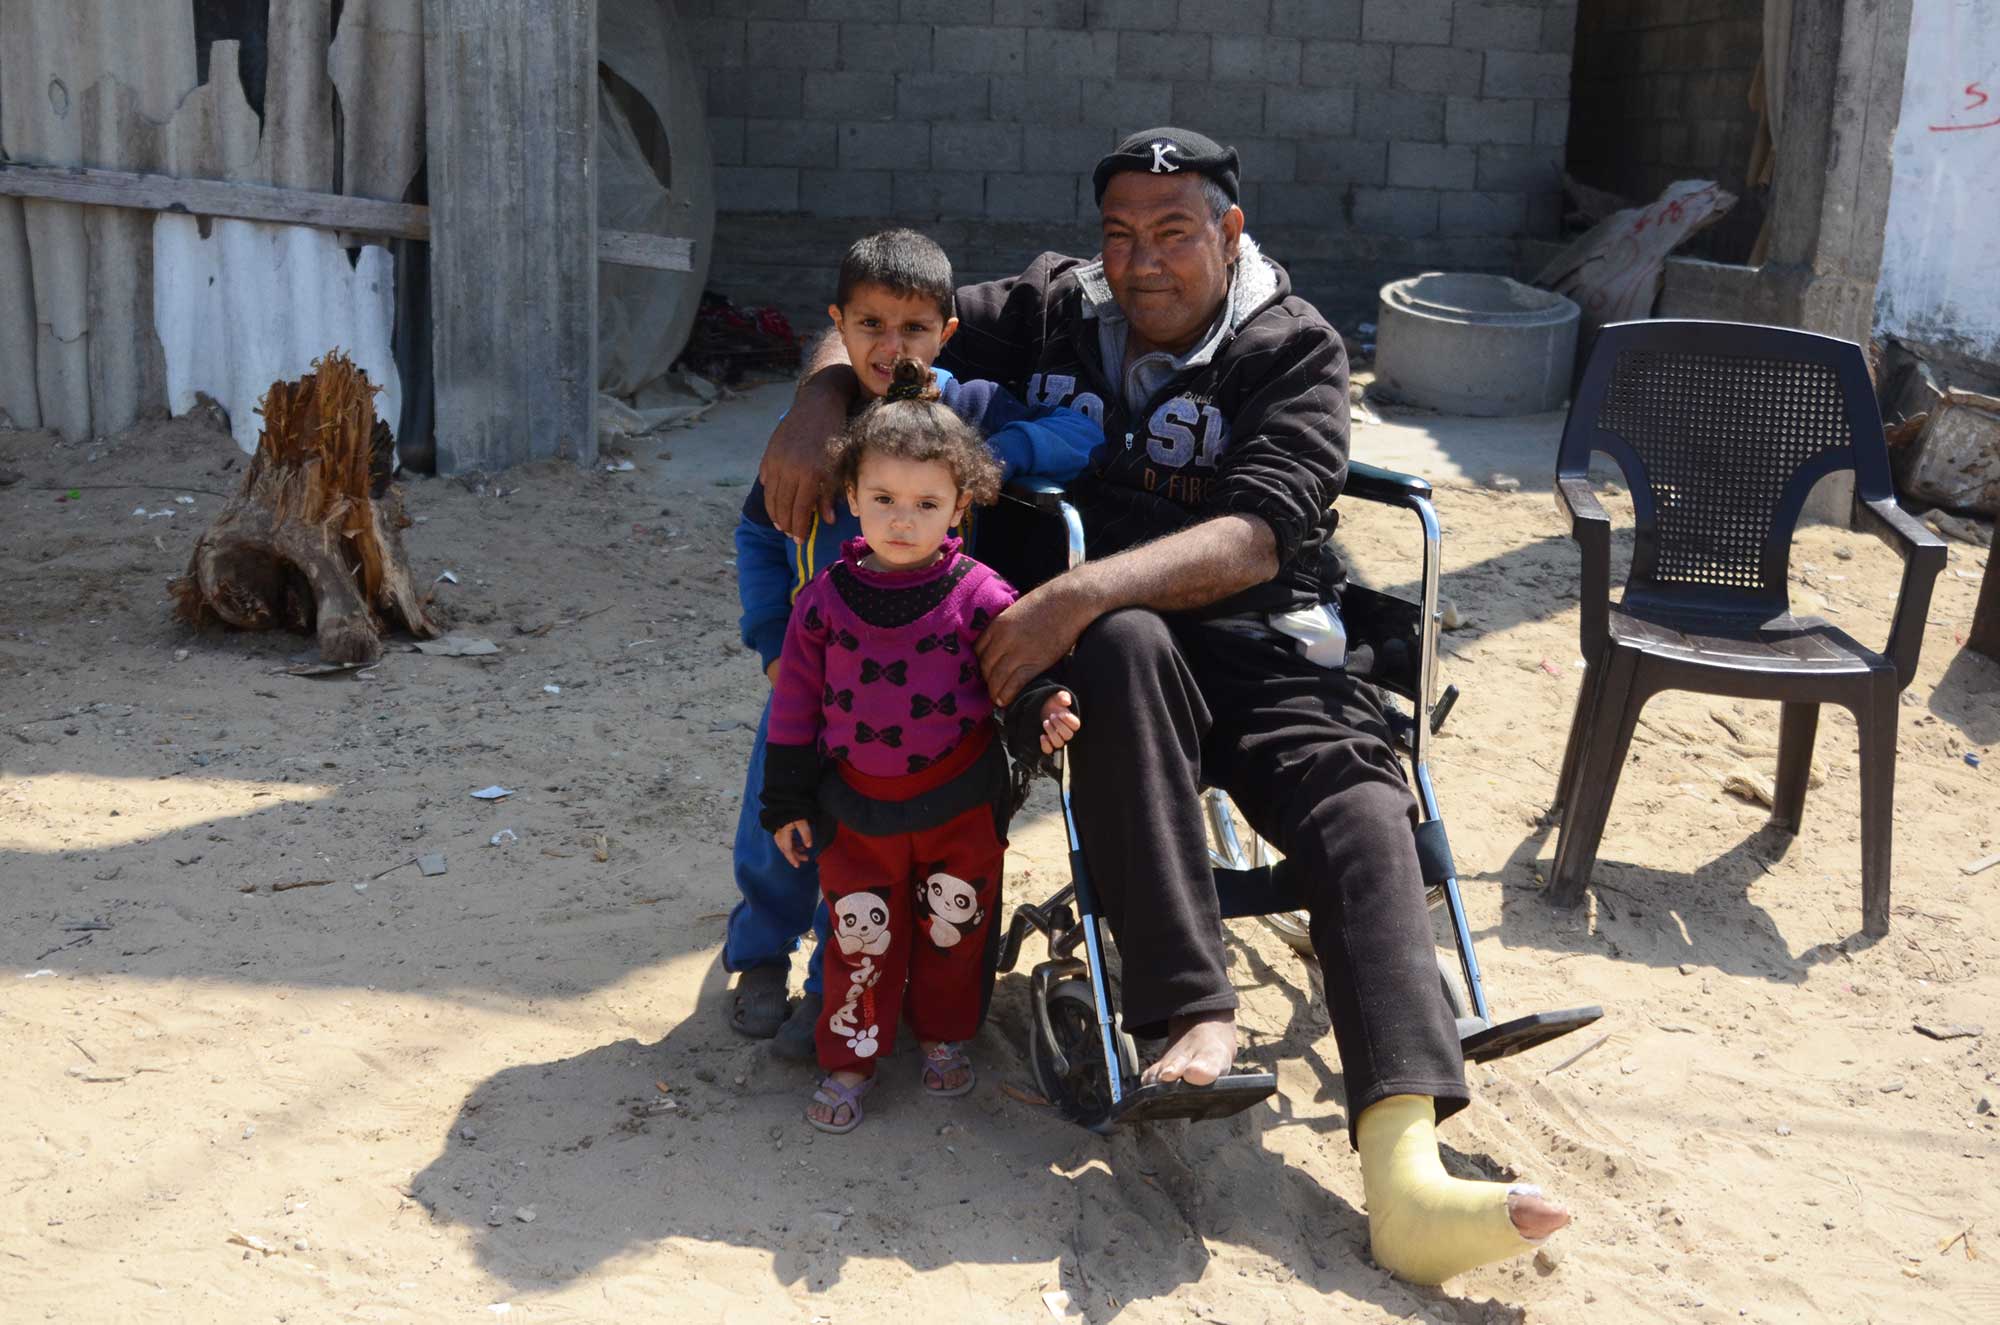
(1248, 883)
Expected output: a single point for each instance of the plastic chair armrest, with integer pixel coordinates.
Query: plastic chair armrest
(1591, 528)
(1923, 554)
(1374, 483)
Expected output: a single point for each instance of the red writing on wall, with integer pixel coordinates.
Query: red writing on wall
(1976, 98)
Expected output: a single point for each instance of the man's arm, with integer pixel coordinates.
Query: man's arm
(1202, 564)
(793, 470)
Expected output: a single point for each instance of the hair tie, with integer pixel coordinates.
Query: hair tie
(906, 391)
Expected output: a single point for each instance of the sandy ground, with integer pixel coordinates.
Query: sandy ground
(509, 1090)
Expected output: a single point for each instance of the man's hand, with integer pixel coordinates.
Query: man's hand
(793, 470)
(1028, 638)
(794, 852)
(1059, 724)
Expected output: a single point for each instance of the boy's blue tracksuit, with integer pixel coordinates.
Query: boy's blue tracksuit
(779, 901)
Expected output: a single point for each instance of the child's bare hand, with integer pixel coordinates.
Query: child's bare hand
(771, 672)
(1059, 724)
(794, 852)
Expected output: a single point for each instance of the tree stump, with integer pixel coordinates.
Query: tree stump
(313, 539)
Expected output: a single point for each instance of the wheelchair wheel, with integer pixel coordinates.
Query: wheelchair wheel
(1083, 1093)
(1291, 927)
(1452, 977)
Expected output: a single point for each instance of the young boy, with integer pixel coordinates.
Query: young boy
(893, 300)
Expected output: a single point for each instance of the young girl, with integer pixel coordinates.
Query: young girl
(881, 749)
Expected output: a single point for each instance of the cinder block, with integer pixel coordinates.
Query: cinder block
(1316, 20)
(1071, 54)
(725, 139)
(714, 41)
(1220, 110)
(1552, 123)
(1021, 197)
(1132, 102)
(1488, 120)
(1526, 74)
(847, 96)
(859, 11)
(1255, 59)
(1064, 149)
(1041, 13)
(1344, 161)
(775, 93)
(893, 146)
(798, 45)
(1322, 206)
(1346, 64)
(1268, 160)
(1407, 21)
(1411, 213)
(1309, 112)
(967, 50)
(1481, 25)
(947, 11)
(932, 194)
(846, 192)
(1407, 117)
(1520, 169)
(756, 189)
(940, 97)
(1031, 100)
(1232, 16)
(1432, 166)
(1559, 27)
(788, 143)
(1545, 214)
(1135, 15)
(1482, 213)
(981, 147)
(1436, 69)
(766, 9)
(1163, 55)
(880, 49)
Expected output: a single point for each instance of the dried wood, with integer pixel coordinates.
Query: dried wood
(312, 541)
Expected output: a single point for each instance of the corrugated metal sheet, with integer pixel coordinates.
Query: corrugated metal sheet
(114, 84)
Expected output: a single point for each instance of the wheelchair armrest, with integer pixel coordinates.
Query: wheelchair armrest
(1044, 494)
(1373, 483)
(1923, 554)
(1591, 528)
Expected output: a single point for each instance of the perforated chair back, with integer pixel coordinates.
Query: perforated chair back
(1722, 429)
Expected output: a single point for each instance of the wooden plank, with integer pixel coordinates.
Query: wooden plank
(215, 197)
(363, 218)
(510, 97)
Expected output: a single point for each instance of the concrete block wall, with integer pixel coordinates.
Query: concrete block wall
(1661, 94)
(1379, 137)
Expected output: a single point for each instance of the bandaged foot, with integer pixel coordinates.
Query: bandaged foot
(1424, 1225)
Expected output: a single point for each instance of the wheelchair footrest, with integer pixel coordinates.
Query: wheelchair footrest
(1221, 1098)
(1524, 1033)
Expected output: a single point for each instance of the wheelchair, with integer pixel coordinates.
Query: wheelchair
(1084, 1063)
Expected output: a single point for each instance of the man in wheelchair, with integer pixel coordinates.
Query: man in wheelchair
(1203, 646)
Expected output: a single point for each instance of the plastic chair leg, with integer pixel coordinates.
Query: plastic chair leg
(1616, 713)
(1579, 727)
(1795, 746)
(1878, 806)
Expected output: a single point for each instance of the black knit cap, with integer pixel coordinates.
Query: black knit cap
(1165, 151)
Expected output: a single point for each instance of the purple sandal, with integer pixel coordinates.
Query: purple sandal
(836, 1096)
(940, 1063)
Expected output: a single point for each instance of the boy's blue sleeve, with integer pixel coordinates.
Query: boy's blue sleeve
(764, 578)
(1048, 441)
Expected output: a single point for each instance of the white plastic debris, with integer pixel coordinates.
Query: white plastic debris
(552, 690)
(503, 836)
(492, 793)
(621, 467)
(36, 975)
(139, 511)
(446, 577)
(184, 501)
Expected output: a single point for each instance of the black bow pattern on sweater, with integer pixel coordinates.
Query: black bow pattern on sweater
(896, 673)
(918, 763)
(981, 619)
(948, 641)
(846, 641)
(889, 736)
(967, 670)
(923, 705)
(813, 619)
(840, 699)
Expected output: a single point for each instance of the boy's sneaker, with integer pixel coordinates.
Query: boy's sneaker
(794, 1039)
(758, 1004)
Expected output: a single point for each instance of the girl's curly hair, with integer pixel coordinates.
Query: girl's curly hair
(912, 422)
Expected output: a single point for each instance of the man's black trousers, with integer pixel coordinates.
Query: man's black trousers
(1171, 706)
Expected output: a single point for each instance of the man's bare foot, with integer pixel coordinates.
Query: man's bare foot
(1200, 1049)
(1535, 1216)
